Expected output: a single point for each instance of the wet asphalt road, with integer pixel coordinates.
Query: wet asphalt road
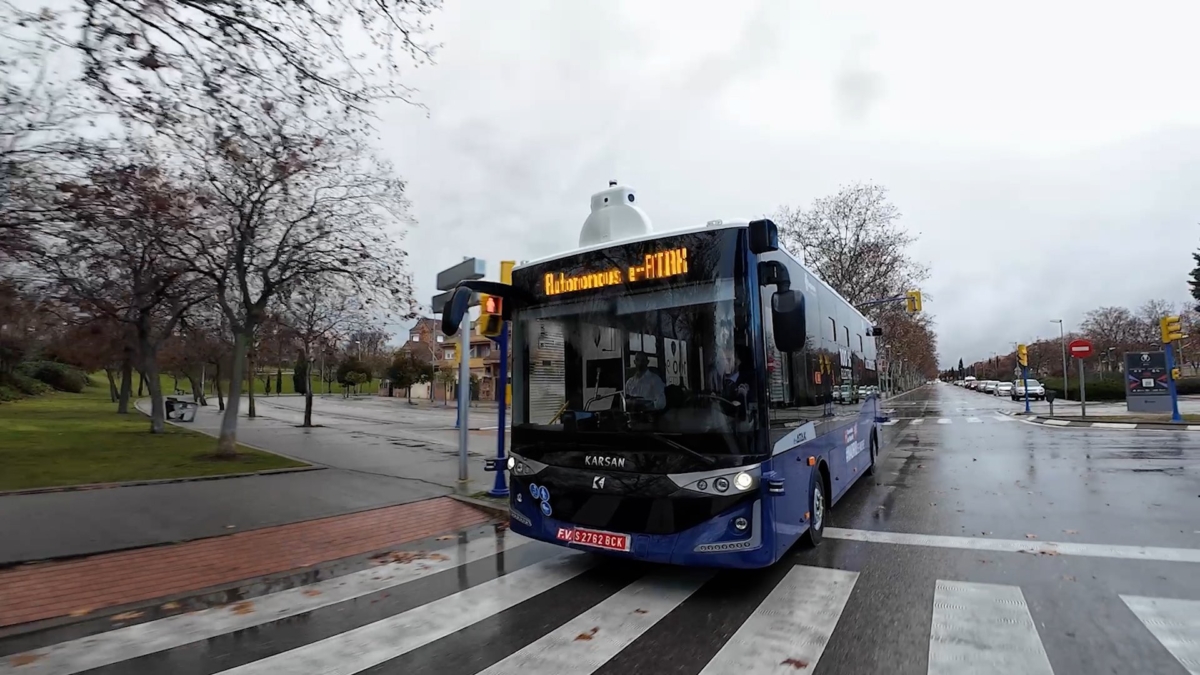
(919, 573)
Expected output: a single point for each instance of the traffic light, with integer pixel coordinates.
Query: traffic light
(1172, 329)
(912, 301)
(1175, 375)
(491, 321)
(1022, 355)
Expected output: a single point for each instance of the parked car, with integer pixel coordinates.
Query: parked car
(1004, 389)
(989, 387)
(970, 382)
(1036, 390)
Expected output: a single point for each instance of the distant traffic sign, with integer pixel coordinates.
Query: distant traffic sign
(1080, 349)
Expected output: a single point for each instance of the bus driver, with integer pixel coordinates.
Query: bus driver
(646, 385)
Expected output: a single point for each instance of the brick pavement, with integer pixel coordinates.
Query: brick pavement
(82, 586)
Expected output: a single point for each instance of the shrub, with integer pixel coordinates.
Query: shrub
(1188, 385)
(58, 375)
(24, 385)
(1106, 389)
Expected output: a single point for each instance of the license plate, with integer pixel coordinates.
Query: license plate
(594, 538)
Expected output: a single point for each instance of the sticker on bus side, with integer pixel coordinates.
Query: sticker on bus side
(798, 436)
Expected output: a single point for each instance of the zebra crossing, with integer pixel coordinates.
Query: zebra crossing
(986, 628)
(972, 419)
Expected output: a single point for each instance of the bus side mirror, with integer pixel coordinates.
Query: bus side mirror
(454, 310)
(876, 331)
(787, 321)
(764, 236)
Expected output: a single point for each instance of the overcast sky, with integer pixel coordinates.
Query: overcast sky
(1048, 153)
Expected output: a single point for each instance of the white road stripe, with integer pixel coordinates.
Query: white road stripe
(584, 644)
(1057, 423)
(1189, 555)
(943, 420)
(891, 422)
(1194, 427)
(1002, 418)
(372, 644)
(974, 420)
(789, 630)
(1176, 624)
(1113, 425)
(155, 636)
(984, 629)
(917, 421)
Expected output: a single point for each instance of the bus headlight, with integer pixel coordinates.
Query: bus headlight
(722, 484)
(743, 481)
(512, 462)
(740, 524)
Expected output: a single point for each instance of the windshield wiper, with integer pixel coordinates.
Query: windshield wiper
(682, 448)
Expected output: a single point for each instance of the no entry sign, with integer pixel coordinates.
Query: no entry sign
(1080, 349)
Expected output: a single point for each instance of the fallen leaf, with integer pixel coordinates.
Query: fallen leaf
(230, 527)
(1068, 577)
(1071, 531)
(170, 605)
(23, 659)
(244, 607)
(798, 664)
(81, 612)
(312, 592)
(1031, 536)
(588, 635)
(640, 611)
(125, 616)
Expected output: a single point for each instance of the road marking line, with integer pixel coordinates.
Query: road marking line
(917, 421)
(1057, 423)
(974, 420)
(944, 420)
(890, 423)
(984, 629)
(610, 626)
(375, 643)
(1160, 553)
(1194, 427)
(790, 628)
(1114, 425)
(1002, 418)
(151, 637)
(1175, 623)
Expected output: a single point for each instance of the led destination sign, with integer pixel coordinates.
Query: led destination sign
(660, 265)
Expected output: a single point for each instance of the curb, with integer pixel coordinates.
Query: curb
(1062, 423)
(155, 481)
(482, 504)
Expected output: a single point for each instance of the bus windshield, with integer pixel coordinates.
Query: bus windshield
(671, 362)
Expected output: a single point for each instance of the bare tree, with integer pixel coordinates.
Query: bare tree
(1146, 327)
(107, 254)
(288, 201)
(1114, 327)
(855, 242)
(318, 313)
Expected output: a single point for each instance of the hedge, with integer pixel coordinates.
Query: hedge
(1110, 388)
(58, 375)
(15, 386)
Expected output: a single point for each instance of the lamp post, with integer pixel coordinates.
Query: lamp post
(1062, 336)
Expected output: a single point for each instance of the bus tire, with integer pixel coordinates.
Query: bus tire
(874, 454)
(818, 508)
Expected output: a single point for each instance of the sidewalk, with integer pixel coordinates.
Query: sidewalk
(377, 454)
(87, 587)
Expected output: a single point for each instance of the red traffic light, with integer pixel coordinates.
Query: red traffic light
(493, 305)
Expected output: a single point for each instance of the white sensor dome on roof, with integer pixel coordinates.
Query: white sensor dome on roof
(615, 216)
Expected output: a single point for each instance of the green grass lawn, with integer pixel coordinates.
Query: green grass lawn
(168, 386)
(70, 439)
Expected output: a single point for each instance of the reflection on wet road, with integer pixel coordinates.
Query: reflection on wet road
(984, 545)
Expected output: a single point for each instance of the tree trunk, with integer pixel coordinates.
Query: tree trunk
(252, 413)
(197, 390)
(113, 394)
(217, 384)
(141, 383)
(278, 381)
(308, 400)
(227, 442)
(126, 384)
(158, 409)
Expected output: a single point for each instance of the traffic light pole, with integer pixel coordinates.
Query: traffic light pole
(464, 400)
(499, 488)
(1025, 382)
(1169, 348)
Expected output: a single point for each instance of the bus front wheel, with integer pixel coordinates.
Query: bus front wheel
(874, 454)
(818, 508)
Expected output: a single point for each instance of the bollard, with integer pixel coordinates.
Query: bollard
(1050, 400)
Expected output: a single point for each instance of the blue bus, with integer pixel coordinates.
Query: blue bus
(696, 397)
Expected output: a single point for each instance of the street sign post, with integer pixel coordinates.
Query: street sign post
(499, 489)
(1081, 349)
(468, 269)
